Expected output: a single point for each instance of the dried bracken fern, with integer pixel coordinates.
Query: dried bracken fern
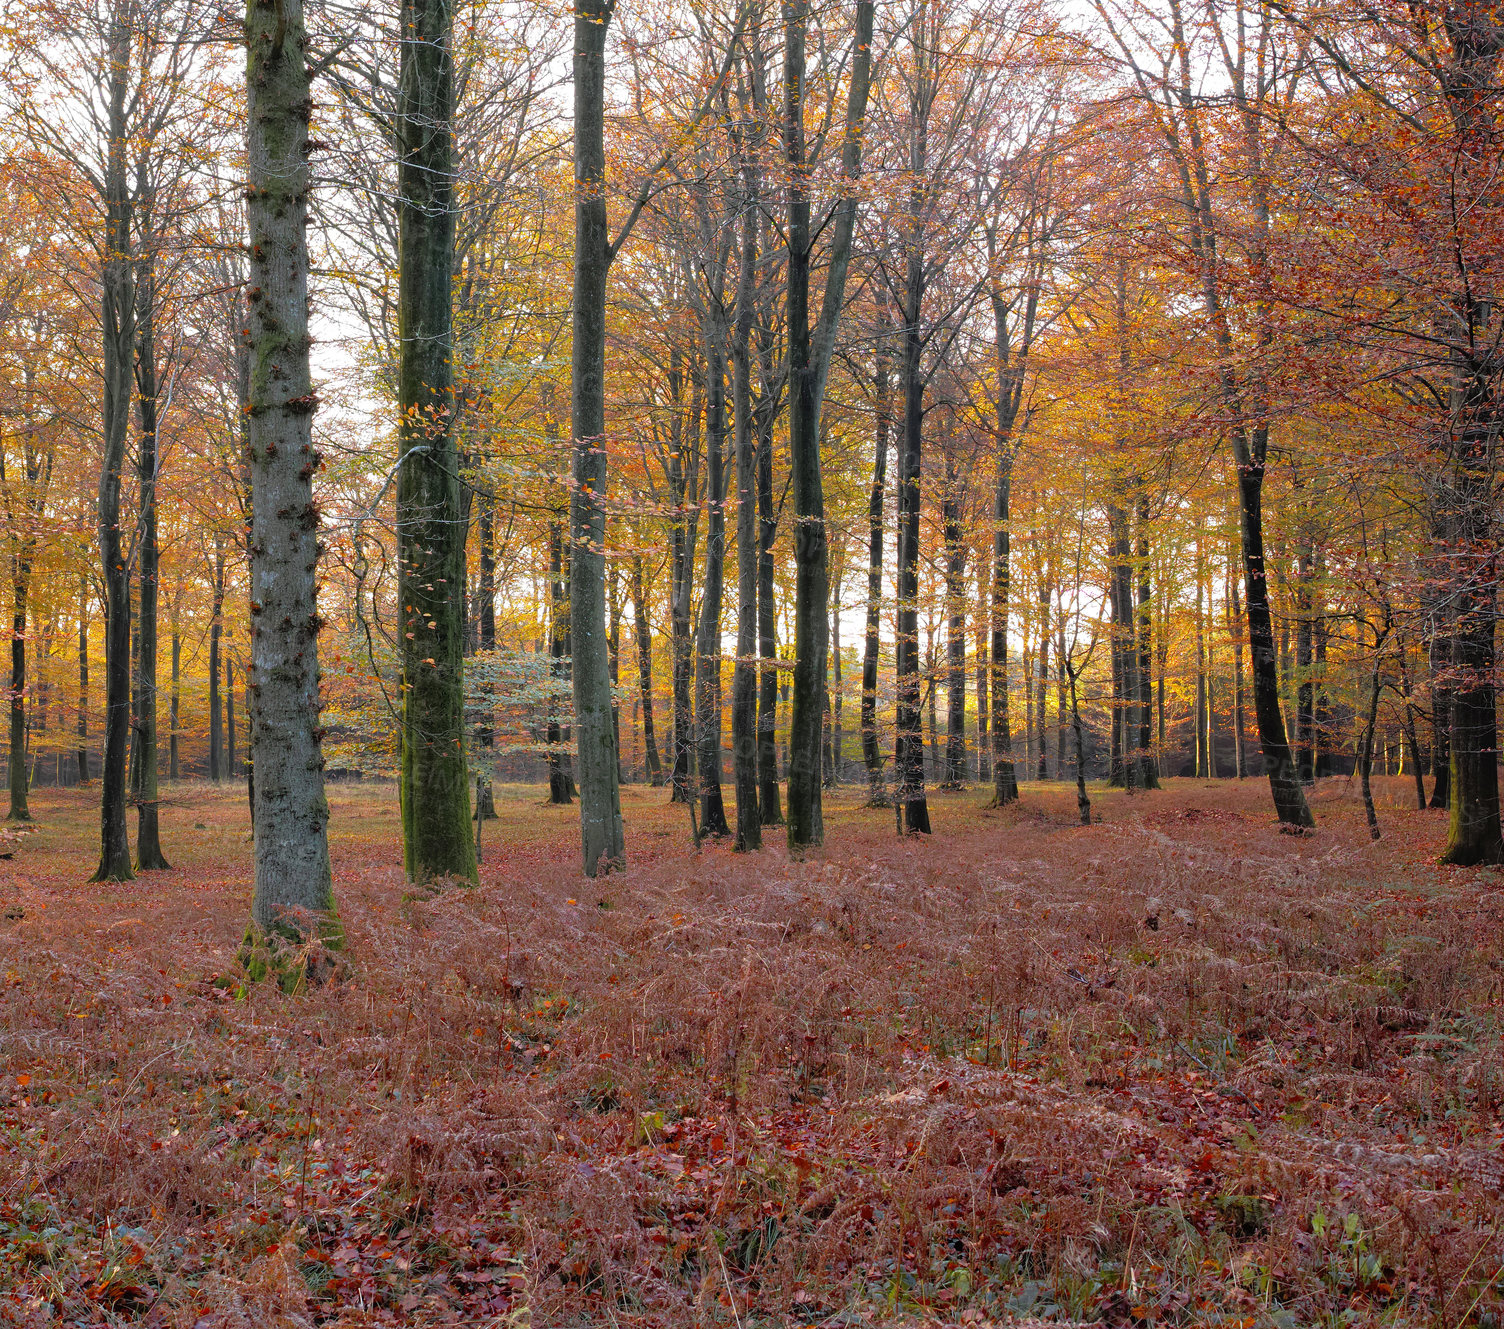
(1167, 1068)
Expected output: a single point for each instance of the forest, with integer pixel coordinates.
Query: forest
(751, 664)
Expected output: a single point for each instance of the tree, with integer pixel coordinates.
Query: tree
(294, 895)
(809, 358)
(1243, 387)
(437, 837)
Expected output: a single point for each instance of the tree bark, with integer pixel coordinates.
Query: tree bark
(1441, 716)
(984, 750)
(908, 757)
(1235, 630)
(1305, 688)
(834, 692)
(294, 896)
(708, 629)
(229, 716)
(882, 395)
(1249, 451)
(1148, 750)
(1004, 773)
(20, 582)
(485, 731)
(683, 537)
(1124, 647)
(217, 769)
(1042, 677)
(174, 705)
(560, 773)
(613, 650)
(1083, 802)
(83, 679)
(1199, 766)
(435, 787)
(1473, 829)
(808, 365)
(767, 640)
(744, 674)
(643, 632)
(118, 306)
(149, 856)
(955, 632)
(602, 842)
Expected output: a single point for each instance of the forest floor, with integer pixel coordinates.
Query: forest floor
(1172, 1068)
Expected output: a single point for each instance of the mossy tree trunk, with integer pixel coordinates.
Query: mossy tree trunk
(437, 835)
(294, 896)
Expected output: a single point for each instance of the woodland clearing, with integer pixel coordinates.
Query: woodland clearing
(1171, 1068)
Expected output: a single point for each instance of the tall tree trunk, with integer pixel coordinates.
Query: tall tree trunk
(684, 538)
(1004, 774)
(83, 678)
(1060, 690)
(1027, 663)
(1083, 802)
(1199, 767)
(560, 775)
(1245, 396)
(833, 775)
(984, 750)
(1305, 690)
(20, 581)
(708, 629)
(1441, 715)
(882, 395)
(931, 687)
(294, 895)
(118, 306)
(744, 674)
(229, 716)
(174, 705)
(1249, 452)
(435, 786)
(1124, 646)
(1148, 750)
(1473, 829)
(613, 651)
(485, 638)
(1042, 677)
(1235, 631)
(1321, 728)
(602, 840)
(808, 365)
(767, 641)
(217, 768)
(908, 756)
(643, 632)
(149, 856)
(955, 643)
(811, 589)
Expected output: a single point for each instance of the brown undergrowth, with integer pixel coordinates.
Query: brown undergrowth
(1173, 1068)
